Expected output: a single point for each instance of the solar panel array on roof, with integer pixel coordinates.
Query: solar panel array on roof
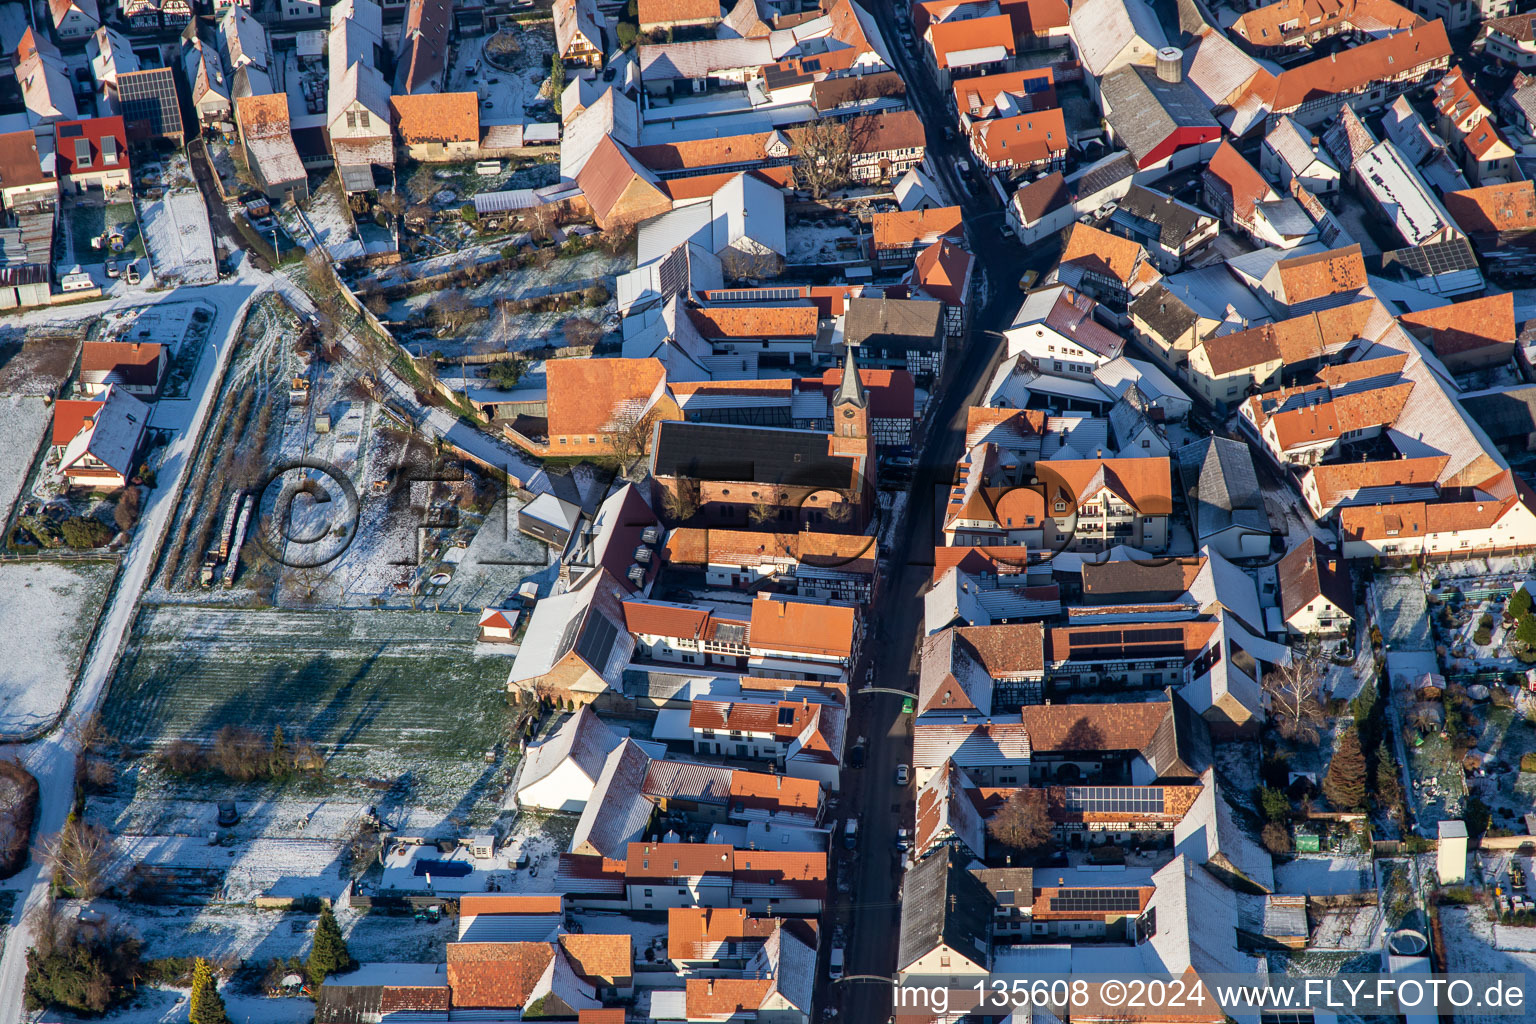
(1094, 901)
(672, 275)
(1437, 258)
(595, 642)
(786, 716)
(736, 296)
(1115, 799)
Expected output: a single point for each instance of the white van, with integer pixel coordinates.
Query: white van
(835, 963)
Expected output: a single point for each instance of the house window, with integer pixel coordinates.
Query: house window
(944, 960)
(647, 892)
(351, 119)
(362, 118)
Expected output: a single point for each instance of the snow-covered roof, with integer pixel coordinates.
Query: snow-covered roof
(113, 435)
(1209, 833)
(611, 114)
(584, 740)
(1103, 28)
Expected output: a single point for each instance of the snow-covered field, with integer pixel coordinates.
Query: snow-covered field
(22, 423)
(47, 611)
(180, 238)
(1325, 876)
(396, 701)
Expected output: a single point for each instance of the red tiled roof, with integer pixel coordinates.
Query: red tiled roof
(509, 903)
(1494, 208)
(694, 933)
(604, 959)
(583, 394)
(94, 130)
(1243, 184)
(1467, 326)
(958, 36)
(759, 791)
(677, 860)
(891, 393)
(901, 229)
(436, 117)
(134, 363)
(978, 95)
(663, 12)
(725, 998)
(803, 627)
(495, 975)
(1026, 139)
(70, 416)
(406, 998)
(658, 618)
(718, 322)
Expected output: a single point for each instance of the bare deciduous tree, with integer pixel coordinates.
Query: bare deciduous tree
(750, 264)
(1294, 696)
(1023, 823)
(126, 514)
(452, 311)
(582, 332)
(393, 203)
(681, 501)
(629, 433)
(760, 512)
(824, 162)
(78, 855)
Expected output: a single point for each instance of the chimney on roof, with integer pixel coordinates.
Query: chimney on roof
(1170, 64)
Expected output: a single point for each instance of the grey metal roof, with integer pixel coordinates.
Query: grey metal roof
(944, 904)
(1222, 487)
(1144, 110)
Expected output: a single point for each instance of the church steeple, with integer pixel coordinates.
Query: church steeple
(850, 405)
(851, 390)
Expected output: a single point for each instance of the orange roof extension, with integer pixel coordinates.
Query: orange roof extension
(1329, 421)
(660, 618)
(1321, 274)
(436, 117)
(943, 270)
(1023, 140)
(1467, 326)
(677, 860)
(1494, 208)
(955, 37)
(1242, 182)
(602, 958)
(1003, 560)
(495, 975)
(902, 229)
(978, 95)
(404, 998)
(1264, 26)
(756, 718)
(719, 322)
(1340, 480)
(1102, 253)
(725, 998)
(696, 933)
(761, 791)
(509, 903)
(701, 185)
(667, 12)
(803, 627)
(1144, 484)
(584, 394)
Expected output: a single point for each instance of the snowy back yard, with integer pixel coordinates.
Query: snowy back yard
(47, 613)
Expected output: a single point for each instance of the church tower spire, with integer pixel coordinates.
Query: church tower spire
(850, 405)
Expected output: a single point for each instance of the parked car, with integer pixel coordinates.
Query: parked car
(1028, 280)
(835, 963)
(133, 272)
(903, 775)
(856, 757)
(903, 840)
(112, 269)
(228, 815)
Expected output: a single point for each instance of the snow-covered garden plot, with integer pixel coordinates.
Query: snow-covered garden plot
(180, 238)
(23, 420)
(47, 613)
(1474, 944)
(824, 241)
(37, 363)
(259, 936)
(393, 697)
(448, 186)
(1326, 876)
(518, 331)
(330, 220)
(505, 96)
